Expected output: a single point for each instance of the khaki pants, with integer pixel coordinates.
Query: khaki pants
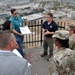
(48, 42)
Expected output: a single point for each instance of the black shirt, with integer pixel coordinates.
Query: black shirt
(52, 27)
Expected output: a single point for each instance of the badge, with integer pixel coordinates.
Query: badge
(20, 24)
(50, 26)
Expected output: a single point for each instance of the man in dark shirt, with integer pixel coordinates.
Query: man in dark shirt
(48, 29)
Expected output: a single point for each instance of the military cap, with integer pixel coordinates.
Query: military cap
(70, 27)
(61, 34)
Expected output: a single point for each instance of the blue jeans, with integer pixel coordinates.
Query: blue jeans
(19, 42)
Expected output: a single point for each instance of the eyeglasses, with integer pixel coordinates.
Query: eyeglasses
(47, 17)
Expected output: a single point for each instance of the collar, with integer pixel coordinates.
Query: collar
(50, 23)
(61, 49)
(58, 50)
(14, 17)
(5, 51)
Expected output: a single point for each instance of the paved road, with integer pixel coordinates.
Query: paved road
(40, 66)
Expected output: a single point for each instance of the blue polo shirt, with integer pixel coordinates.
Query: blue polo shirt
(52, 27)
(16, 24)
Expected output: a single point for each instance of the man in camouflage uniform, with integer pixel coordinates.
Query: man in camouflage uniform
(71, 29)
(63, 60)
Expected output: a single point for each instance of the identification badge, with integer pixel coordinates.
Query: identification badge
(50, 26)
(20, 24)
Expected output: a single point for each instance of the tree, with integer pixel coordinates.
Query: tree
(42, 4)
(56, 5)
(33, 1)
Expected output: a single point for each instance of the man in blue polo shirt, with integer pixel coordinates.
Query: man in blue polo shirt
(16, 24)
(48, 29)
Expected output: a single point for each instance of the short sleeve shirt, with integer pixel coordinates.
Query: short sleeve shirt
(52, 27)
(16, 24)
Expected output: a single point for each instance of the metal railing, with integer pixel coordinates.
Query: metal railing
(36, 38)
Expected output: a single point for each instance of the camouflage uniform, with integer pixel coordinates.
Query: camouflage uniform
(72, 42)
(63, 60)
(72, 37)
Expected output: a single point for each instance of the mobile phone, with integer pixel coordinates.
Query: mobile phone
(45, 31)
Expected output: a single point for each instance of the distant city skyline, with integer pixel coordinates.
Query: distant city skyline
(29, 8)
(40, 0)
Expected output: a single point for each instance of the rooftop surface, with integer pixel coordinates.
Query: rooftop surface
(40, 65)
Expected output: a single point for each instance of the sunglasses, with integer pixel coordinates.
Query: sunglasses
(16, 13)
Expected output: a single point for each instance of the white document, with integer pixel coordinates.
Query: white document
(29, 65)
(25, 30)
(18, 54)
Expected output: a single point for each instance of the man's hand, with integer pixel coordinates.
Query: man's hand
(43, 31)
(14, 31)
(21, 34)
(46, 33)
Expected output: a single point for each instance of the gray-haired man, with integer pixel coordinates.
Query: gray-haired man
(11, 64)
